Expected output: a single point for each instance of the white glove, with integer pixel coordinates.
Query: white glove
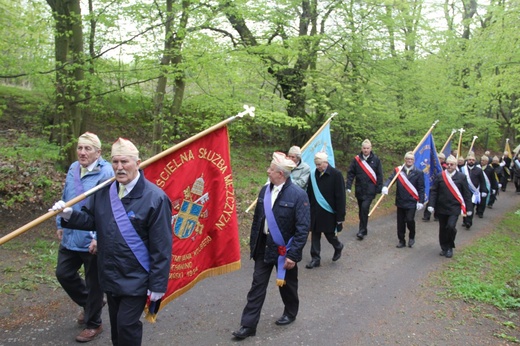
(502, 164)
(384, 190)
(430, 209)
(420, 206)
(469, 213)
(349, 191)
(499, 186)
(65, 212)
(155, 296)
(484, 194)
(493, 192)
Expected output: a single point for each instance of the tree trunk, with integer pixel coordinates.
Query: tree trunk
(68, 117)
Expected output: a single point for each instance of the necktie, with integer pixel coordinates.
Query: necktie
(83, 171)
(276, 189)
(121, 193)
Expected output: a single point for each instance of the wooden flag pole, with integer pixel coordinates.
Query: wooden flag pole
(459, 147)
(401, 167)
(252, 205)
(449, 139)
(51, 213)
(472, 143)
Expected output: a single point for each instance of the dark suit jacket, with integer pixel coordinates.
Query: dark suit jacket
(403, 199)
(365, 188)
(332, 187)
(443, 200)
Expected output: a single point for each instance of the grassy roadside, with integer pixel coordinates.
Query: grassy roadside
(487, 273)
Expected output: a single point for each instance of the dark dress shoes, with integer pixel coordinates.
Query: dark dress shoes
(337, 253)
(313, 263)
(244, 332)
(360, 236)
(285, 320)
(449, 253)
(442, 253)
(411, 242)
(426, 219)
(400, 245)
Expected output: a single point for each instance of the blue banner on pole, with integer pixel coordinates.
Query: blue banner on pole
(427, 161)
(320, 143)
(447, 149)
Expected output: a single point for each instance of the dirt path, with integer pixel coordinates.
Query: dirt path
(375, 294)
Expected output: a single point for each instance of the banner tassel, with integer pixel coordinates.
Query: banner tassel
(280, 282)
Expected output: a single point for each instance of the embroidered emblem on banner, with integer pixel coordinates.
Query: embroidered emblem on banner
(190, 210)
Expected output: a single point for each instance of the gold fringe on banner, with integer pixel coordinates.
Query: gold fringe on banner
(227, 268)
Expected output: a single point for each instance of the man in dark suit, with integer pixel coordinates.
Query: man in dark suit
(278, 234)
(449, 197)
(367, 170)
(326, 192)
(491, 184)
(409, 197)
(477, 185)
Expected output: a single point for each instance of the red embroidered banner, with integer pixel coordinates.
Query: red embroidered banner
(199, 182)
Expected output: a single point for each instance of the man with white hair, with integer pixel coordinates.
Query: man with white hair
(409, 197)
(78, 248)
(278, 234)
(300, 174)
(328, 208)
(367, 171)
(450, 197)
(133, 219)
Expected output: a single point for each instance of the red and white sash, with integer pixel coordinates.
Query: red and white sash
(367, 169)
(403, 178)
(454, 191)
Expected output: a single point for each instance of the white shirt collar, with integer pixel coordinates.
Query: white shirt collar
(131, 185)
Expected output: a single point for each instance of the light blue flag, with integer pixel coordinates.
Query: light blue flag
(321, 142)
(427, 161)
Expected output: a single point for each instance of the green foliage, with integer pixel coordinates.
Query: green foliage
(27, 174)
(487, 271)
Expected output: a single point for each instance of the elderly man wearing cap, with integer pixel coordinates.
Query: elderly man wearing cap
(77, 247)
(278, 234)
(507, 164)
(409, 197)
(300, 174)
(367, 170)
(450, 196)
(328, 203)
(477, 185)
(133, 219)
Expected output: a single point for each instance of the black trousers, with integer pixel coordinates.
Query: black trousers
(364, 210)
(257, 293)
(481, 207)
(405, 218)
(493, 198)
(125, 311)
(316, 243)
(87, 292)
(447, 231)
(468, 220)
